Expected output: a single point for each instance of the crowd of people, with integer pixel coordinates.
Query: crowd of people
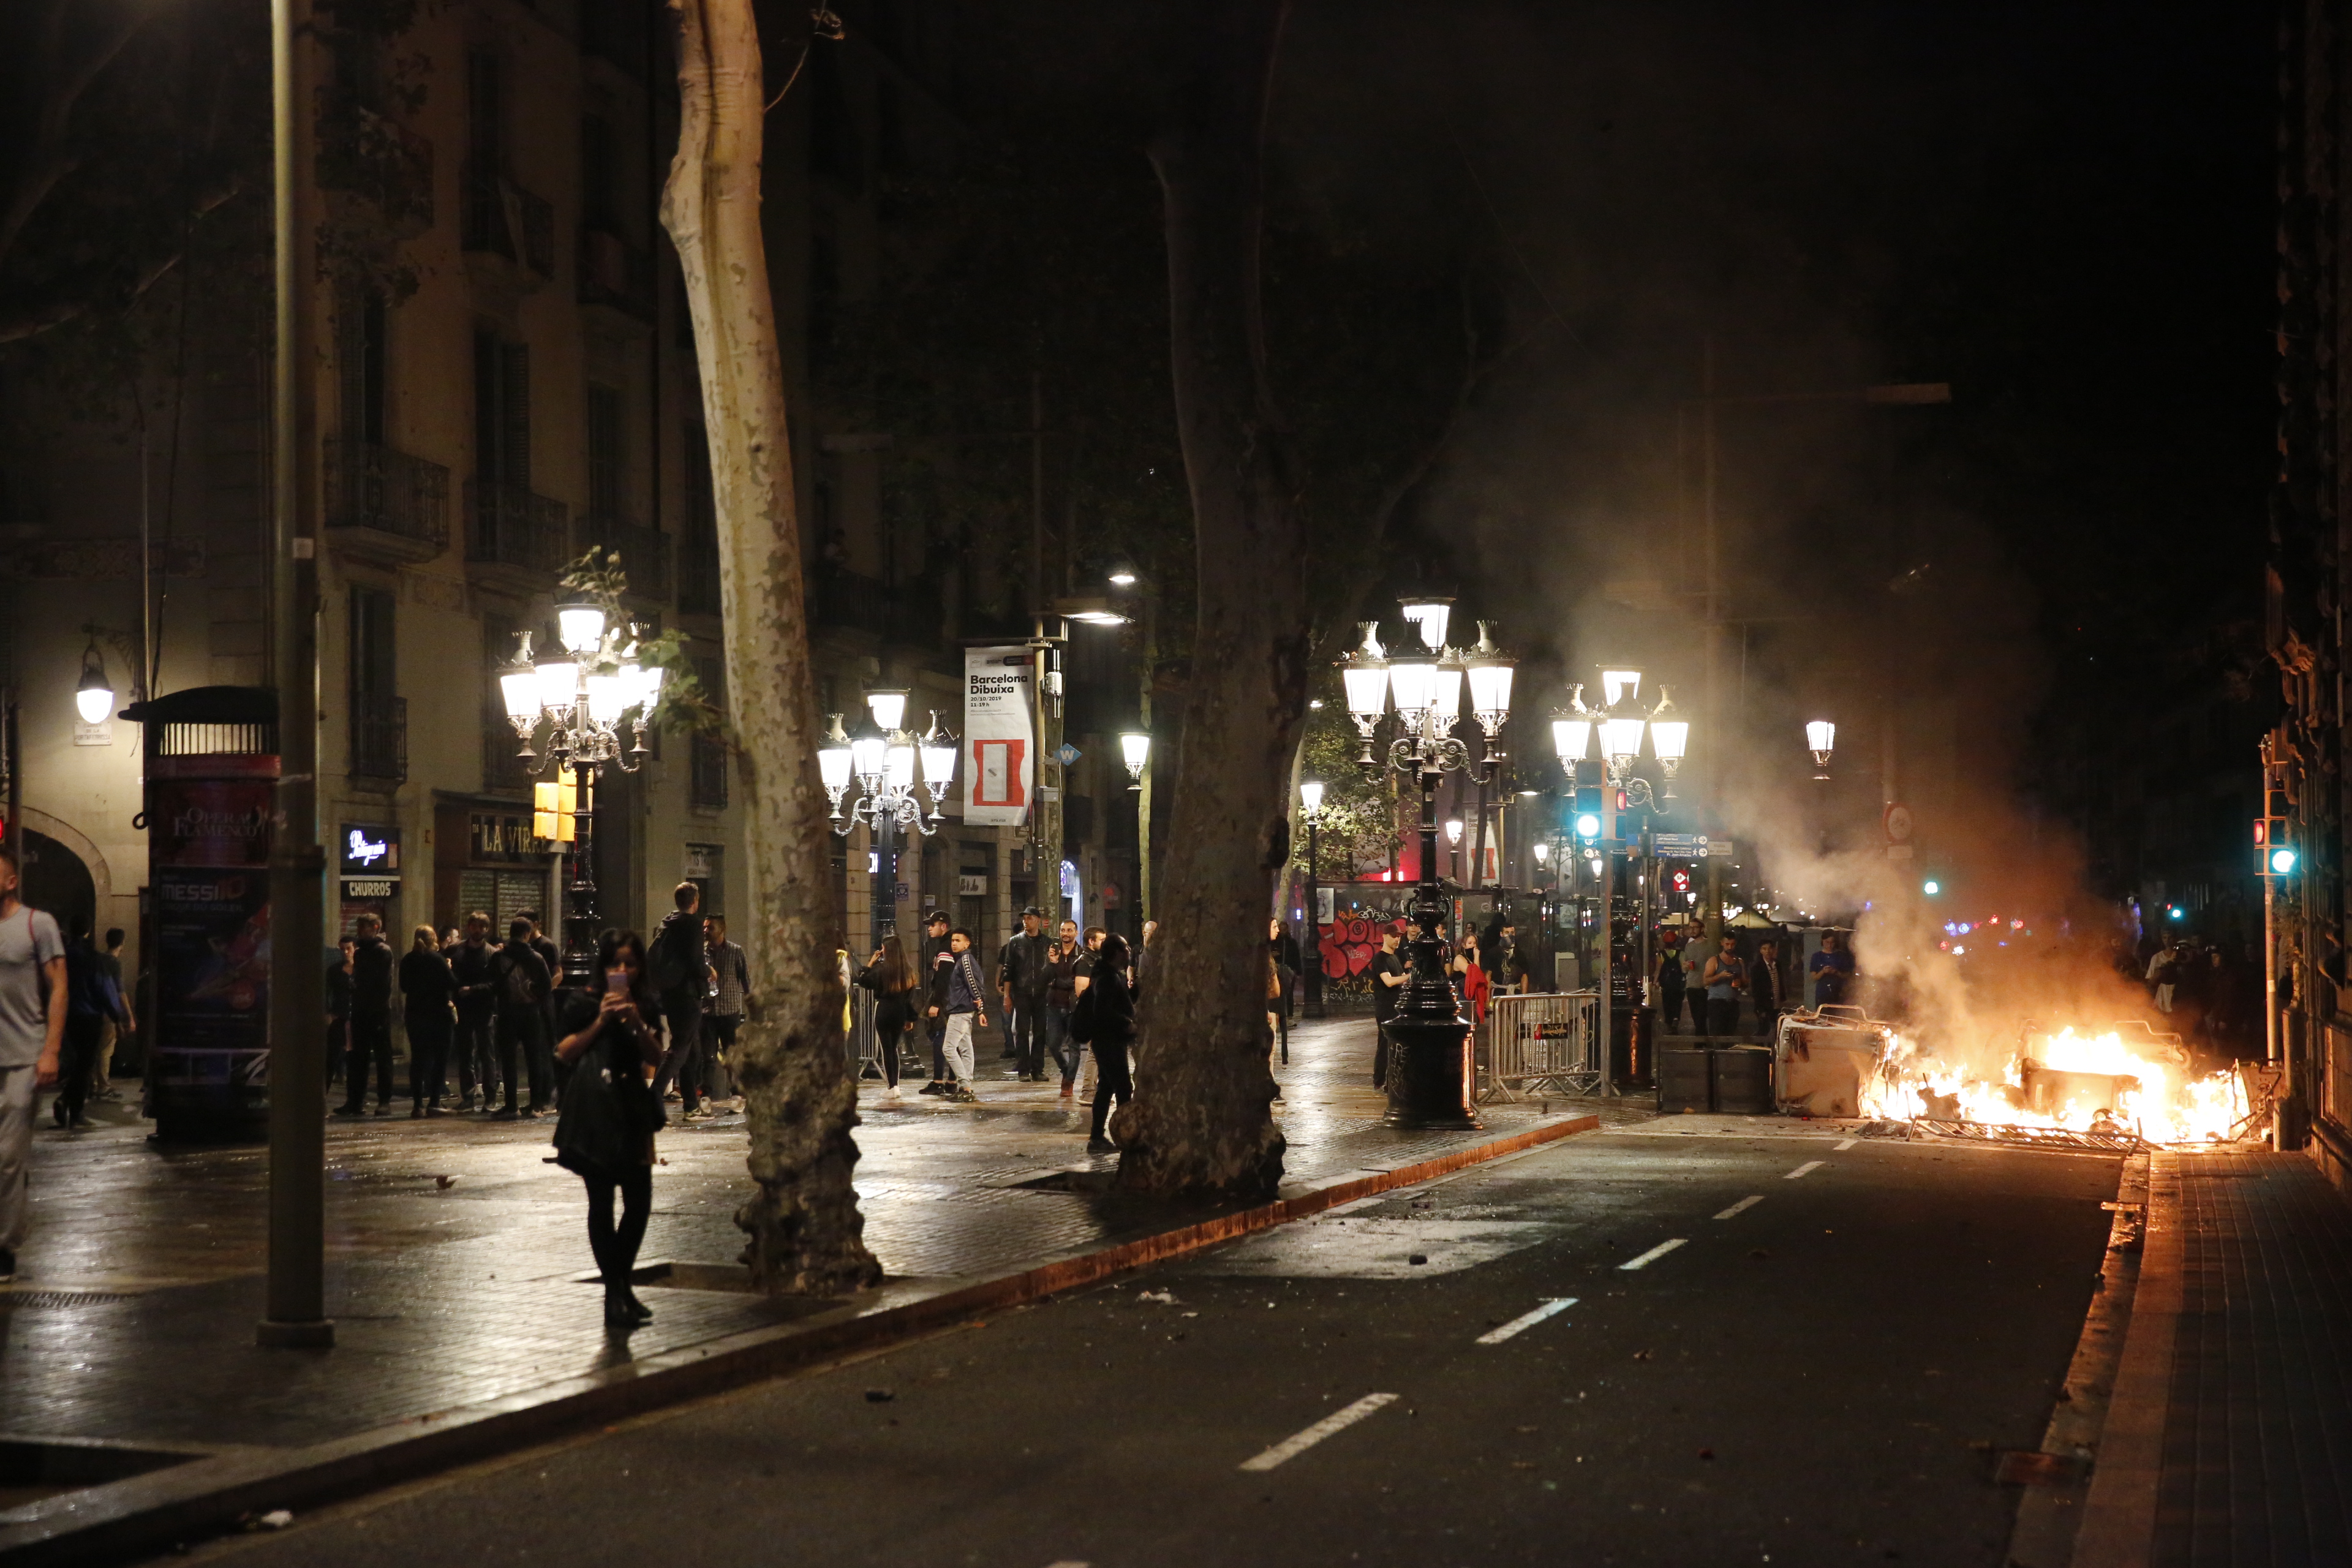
(1734, 991)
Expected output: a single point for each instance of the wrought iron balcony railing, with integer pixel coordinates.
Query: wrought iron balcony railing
(380, 738)
(644, 551)
(510, 526)
(375, 487)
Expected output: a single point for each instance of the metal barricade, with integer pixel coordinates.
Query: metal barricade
(1549, 1042)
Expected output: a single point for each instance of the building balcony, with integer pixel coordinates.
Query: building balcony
(385, 503)
(501, 218)
(644, 551)
(615, 273)
(514, 538)
(379, 732)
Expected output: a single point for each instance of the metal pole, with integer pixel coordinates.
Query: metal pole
(1606, 968)
(1313, 956)
(1143, 798)
(580, 914)
(297, 1288)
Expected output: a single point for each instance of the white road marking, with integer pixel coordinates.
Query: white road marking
(1741, 1206)
(1654, 1254)
(1808, 1167)
(1843, 1147)
(1338, 1421)
(1069, 1563)
(1527, 1321)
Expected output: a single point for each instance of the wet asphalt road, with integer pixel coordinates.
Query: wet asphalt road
(1821, 1377)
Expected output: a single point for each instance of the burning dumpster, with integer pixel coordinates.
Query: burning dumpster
(1828, 1062)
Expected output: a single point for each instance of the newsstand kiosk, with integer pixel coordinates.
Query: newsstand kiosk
(211, 788)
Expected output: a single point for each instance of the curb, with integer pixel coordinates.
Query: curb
(154, 1512)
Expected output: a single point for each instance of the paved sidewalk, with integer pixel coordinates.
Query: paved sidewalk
(455, 1254)
(2229, 1439)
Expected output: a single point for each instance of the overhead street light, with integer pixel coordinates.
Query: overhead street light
(1821, 738)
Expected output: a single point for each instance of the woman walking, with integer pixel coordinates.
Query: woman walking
(605, 1134)
(428, 996)
(895, 983)
(1105, 1020)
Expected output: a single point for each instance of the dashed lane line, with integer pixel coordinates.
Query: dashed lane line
(1741, 1207)
(1338, 1421)
(1654, 1254)
(1527, 1321)
(1843, 1147)
(1806, 1169)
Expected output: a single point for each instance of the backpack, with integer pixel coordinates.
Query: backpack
(515, 988)
(1081, 1027)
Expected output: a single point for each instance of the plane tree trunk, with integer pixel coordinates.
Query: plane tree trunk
(803, 1225)
(1201, 1125)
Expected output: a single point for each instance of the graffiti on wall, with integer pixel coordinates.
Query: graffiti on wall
(1348, 946)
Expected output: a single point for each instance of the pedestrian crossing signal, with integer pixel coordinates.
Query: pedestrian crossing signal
(2275, 851)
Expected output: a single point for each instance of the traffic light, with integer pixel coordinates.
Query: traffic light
(2275, 852)
(1588, 816)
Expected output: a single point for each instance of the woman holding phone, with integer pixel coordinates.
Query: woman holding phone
(605, 1134)
(894, 983)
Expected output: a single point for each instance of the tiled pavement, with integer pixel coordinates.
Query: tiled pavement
(2257, 1464)
(453, 1249)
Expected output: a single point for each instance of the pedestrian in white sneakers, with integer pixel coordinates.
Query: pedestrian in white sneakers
(967, 1005)
(896, 987)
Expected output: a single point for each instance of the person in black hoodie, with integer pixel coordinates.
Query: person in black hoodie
(427, 990)
(478, 1007)
(939, 961)
(1105, 1020)
(371, 966)
(605, 1133)
(681, 974)
(520, 982)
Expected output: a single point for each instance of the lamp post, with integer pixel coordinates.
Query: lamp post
(1429, 1073)
(882, 759)
(1310, 807)
(1821, 739)
(587, 694)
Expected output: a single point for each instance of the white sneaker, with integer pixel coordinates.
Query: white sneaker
(891, 1092)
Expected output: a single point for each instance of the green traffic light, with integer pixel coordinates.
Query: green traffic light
(2283, 861)
(1931, 887)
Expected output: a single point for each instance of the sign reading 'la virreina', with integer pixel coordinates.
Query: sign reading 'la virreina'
(1000, 758)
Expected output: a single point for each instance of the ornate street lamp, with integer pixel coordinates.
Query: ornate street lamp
(880, 762)
(1429, 1074)
(596, 701)
(1134, 751)
(1821, 739)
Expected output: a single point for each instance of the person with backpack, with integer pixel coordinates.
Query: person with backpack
(605, 1134)
(681, 973)
(519, 980)
(1104, 1020)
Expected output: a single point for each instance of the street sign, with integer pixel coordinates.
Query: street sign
(1065, 753)
(1680, 845)
(1899, 823)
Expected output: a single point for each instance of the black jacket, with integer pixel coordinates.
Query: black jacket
(1106, 1012)
(372, 963)
(469, 967)
(942, 963)
(678, 939)
(426, 985)
(1024, 969)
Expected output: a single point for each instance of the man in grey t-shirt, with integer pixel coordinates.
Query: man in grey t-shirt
(32, 1033)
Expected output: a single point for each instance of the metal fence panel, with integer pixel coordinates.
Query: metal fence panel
(1547, 1042)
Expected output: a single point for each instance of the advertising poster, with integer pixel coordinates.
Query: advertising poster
(212, 930)
(210, 821)
(1000, 761)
